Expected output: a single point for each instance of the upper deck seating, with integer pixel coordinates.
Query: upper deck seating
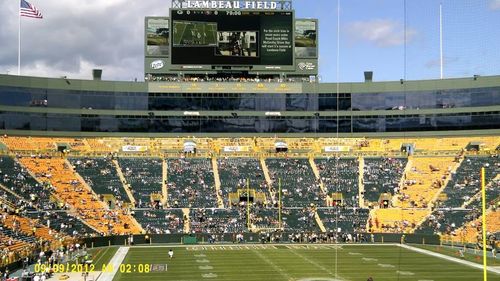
(300, 220)
(298, 183)
(62, 222)
(234, 173)
(69, 189)
(382, 175)
(144, 176)
(348, 220)
(100, 174)
(472, 230)
(263, 218)
(39, 144)
(161, 221)
(466, 182)
(445, 221)
(218, 221)
(423, 180)
(29, 229)
(16, 178)
(191, 183)
(492, 196)
(396, 220)
(341, 175)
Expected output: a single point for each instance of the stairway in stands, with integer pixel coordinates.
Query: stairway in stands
(269, 181)
(215, 168)
(123, 180)
(164, 186)
(187, 220)
(361, 184)
(321, 183)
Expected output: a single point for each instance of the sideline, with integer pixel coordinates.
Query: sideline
(115, 262)
(448, 258)
(267, 245)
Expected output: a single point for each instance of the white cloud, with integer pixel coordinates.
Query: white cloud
(381, 32)
(76, 36)
(495, 4)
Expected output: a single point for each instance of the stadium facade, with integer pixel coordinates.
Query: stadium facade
(243, 68)
(46, 106)
(232, 138)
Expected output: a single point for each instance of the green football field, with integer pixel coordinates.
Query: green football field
(188, 33)
(295, 262)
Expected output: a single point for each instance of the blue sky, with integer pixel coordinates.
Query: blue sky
(76, 36)
(372, 38)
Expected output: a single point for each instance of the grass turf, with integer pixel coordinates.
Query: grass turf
(454, 252)
(308, 263)
(102, 256)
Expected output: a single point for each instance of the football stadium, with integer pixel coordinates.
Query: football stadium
(232, 160)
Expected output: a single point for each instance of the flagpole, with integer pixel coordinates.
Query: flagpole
(441, 58)
(19, 41)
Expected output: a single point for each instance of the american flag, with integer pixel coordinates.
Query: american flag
(30, 11)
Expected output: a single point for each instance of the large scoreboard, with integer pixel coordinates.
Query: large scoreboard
(201, 40)
(232, 38)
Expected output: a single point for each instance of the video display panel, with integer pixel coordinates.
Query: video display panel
(211, 37)
(306, 40)
(194, 34)
(157, 37)
(237, 44)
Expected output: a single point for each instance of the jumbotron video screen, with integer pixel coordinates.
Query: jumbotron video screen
(212, 37)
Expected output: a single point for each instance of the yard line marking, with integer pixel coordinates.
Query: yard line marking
(274, 266)
(200, 256)
(206, 267)
(318, 279)
(369, 259)
(115, 261)
(315, 264)
(355, 254)
(100, 257)
(384, 265)
(203, 261)
(406, 273)
(452, 259)
(209, 275)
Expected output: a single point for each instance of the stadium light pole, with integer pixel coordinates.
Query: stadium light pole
(19, 41)
(279, 202)
(483, 192)
(248, 203)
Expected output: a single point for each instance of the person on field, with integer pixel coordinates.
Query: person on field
(171, 254)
